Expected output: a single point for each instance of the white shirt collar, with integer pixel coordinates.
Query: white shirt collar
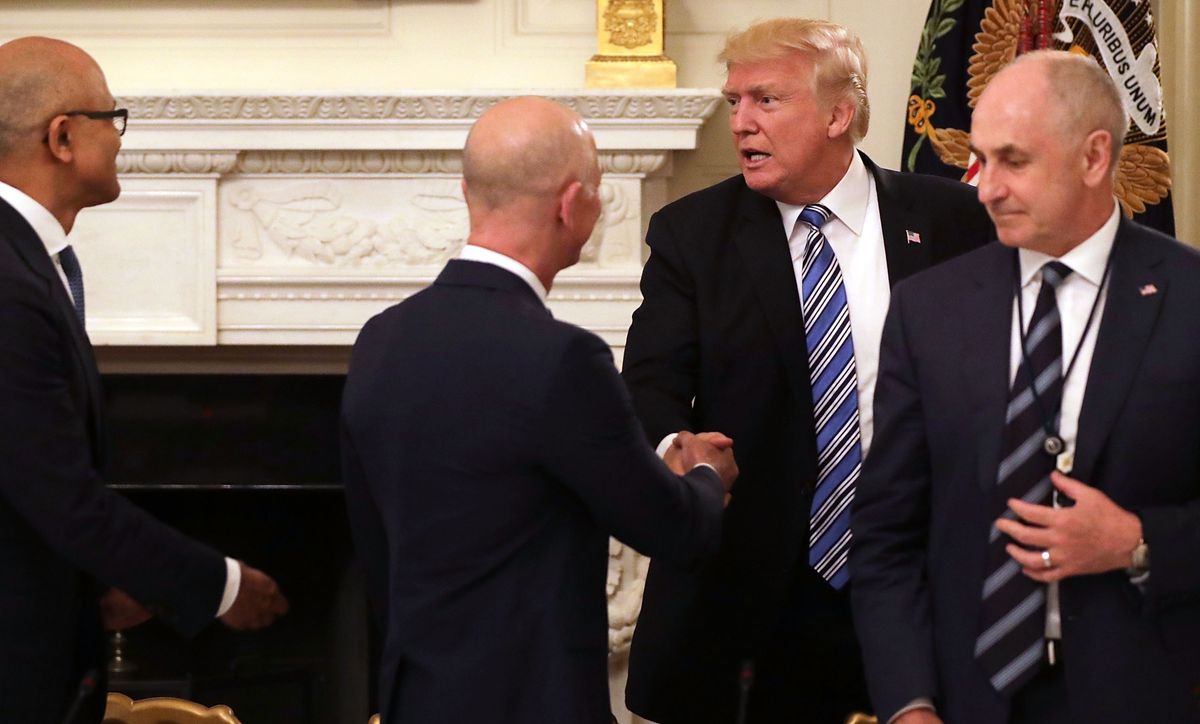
(43, 222)
(470, 252)
(847, 200)
(1087, 259)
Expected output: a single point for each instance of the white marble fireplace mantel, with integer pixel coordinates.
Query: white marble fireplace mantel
(291, 219)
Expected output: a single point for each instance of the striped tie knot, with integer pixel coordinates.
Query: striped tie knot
(1053, 273)
(815, 215)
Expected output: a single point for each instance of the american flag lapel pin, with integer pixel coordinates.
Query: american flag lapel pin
(912, 237)
(1147, 290)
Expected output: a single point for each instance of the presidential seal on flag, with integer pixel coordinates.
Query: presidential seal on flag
(964, 43)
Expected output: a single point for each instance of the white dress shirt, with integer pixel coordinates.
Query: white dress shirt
(1075, 297)
(855, 234)
(54, 238)
(470, 252)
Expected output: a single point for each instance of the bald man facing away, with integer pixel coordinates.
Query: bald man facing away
(64, 538)
(489, 451)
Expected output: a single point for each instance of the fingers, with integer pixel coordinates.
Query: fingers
(1070, 487)
(674, 459)
(259, 601)
(716, 439)
(1028, 536)
(1042, 515)
(118, 611)
(1033, 564)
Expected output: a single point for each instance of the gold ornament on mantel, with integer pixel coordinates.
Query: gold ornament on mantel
(629, 34)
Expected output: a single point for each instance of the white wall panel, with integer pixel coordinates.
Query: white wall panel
(150, 263)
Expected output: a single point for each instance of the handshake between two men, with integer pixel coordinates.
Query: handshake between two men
(713, 449)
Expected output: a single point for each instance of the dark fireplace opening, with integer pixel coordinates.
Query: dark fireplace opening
(248, 464)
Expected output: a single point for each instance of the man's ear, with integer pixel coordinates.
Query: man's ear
(841, 115)
(568, 202)
(1097, 157)
(58, 140)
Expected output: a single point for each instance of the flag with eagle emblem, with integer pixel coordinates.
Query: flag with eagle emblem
(966, 42)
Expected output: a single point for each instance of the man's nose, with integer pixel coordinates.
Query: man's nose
(741, 119)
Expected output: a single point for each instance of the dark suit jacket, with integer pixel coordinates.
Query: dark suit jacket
(718, 344)
(921, 518)
(488, 453)
(63, 535)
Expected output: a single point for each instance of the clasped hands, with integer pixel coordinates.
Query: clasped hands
(258, 603)
(1094, 535)
(712, 448)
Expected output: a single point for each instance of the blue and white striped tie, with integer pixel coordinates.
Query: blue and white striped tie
(835, 401)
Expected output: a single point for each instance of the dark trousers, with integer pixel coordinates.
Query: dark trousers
(1044, 699)
(807, 669)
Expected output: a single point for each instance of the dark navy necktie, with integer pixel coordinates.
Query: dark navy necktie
(1010, 644)
(74, 274)
(835, 401)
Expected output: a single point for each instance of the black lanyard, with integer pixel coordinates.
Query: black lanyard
(1053, 444)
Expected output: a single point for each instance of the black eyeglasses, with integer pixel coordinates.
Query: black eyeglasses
(118, 116)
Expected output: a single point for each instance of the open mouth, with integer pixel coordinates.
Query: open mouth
(753, 156)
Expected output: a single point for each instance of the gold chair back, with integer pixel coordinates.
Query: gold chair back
(860, 718)
(374, 719)
(164, 710)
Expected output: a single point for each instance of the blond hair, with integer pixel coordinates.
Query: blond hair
(839, 60)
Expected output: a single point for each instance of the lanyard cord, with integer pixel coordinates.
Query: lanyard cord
(1050, 422)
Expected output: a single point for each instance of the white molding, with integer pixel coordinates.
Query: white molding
(633, 120)
(316, 211)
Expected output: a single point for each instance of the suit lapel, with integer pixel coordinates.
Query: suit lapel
(898, 219)
(1121, 341)
(31, 249)
(87, 362)
(987, 338)
(763, 247)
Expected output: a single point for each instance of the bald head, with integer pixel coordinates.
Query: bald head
(1047, 132)
(1069, 91)
(526, 147)
(40, 77)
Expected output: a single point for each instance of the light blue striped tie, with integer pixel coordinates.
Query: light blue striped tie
(835, 401)
(74, 274)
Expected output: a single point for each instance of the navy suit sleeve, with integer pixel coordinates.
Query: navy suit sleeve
(1173, 532)
(366, 526)
(662, 353)
(890, 521)
(595, 445)
(51, 481)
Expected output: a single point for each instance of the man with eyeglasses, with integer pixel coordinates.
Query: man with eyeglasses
(74, 556)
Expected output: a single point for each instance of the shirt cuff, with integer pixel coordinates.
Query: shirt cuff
(665, 445)
(920, 702)
(233, 582)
